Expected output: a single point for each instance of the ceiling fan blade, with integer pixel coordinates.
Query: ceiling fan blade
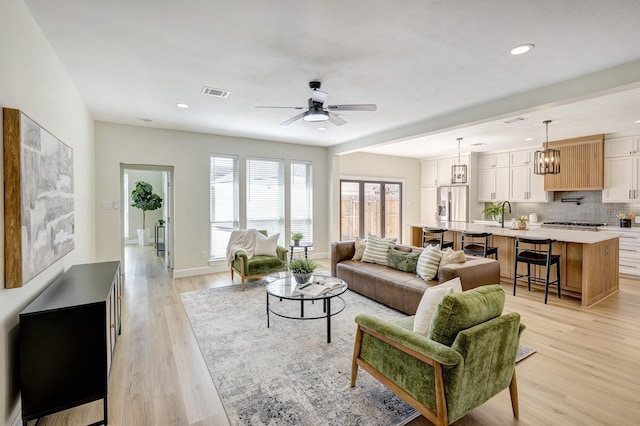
(284, 107)
(353, 107)
(318, 96)
(336, 120)
(292, 119)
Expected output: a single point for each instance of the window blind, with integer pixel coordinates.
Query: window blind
(223, 198)
(302, 200)
(265, 195)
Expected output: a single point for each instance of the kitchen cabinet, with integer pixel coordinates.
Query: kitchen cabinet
(622, 170)
(526, 186)
(67, 340)
(622, 147)
(428, 204)
(444, 169)
(429, 173)
(493, 184)
(522, 158)
(489, 161)
(581, 165)
(630, 252)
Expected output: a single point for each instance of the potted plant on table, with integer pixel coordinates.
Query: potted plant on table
(143, 198)
(302, 270)
(296, 237)
(494, 211)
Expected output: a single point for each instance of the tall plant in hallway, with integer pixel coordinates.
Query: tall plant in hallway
(143, 198)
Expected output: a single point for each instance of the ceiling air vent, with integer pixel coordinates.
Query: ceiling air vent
(212, 91)
(514, 120)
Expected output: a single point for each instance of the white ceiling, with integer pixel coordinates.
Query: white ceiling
(437, 69)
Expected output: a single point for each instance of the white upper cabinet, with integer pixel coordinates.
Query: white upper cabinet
(522, 158)
(493, 184)
(489, 161)
(622, 147)
(429, 173)
(527, 186)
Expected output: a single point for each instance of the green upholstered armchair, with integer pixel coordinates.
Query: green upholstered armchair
(467, 357)
(258, 266)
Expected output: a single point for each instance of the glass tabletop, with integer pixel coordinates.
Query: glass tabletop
(284, 285)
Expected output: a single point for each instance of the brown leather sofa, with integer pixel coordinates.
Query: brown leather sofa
(403, 290)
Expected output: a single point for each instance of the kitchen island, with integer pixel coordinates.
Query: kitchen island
(589, 264)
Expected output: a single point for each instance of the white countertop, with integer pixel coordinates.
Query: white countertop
(566, 235)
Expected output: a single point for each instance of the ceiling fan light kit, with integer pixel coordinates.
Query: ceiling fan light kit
(547, 161)
(459, 171)
(316, 110)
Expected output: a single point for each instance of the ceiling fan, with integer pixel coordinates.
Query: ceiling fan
(316, 110)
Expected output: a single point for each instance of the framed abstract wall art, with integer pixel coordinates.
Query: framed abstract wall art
(38, 198)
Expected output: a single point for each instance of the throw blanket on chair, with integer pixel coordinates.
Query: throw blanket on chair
(241, 239)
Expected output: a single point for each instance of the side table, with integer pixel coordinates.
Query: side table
(304, 246)
(159, 238)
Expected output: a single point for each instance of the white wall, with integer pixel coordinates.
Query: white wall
(33, 80)
(363, 165)
(189, 154)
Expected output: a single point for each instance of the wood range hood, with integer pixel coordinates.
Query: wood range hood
(581, 165)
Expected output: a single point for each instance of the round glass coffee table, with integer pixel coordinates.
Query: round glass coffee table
(283, 287)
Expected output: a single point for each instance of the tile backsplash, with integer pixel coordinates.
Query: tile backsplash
(591, 208)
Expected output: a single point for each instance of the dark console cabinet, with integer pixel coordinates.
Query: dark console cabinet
(67, 340)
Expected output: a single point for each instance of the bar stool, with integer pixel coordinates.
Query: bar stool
(477, 244)
(536, 255)
(435, 236)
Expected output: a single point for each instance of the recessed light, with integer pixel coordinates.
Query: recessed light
(637, 121)
(322, 128)
(528, 139)
(181, 105)
(523, 48)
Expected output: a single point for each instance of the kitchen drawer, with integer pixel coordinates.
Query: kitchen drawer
(629, 265)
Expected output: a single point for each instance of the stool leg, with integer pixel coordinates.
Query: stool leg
(558, 277)
(546, 284)
(529, 276)
(515, 275)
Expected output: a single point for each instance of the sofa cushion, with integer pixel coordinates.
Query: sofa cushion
(258, 265)
(376, 249)
(461, 311)
(360, 245)
(450, 256)
(402, 260)
(428, 263)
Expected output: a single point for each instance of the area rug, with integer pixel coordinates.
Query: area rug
(524, 352)
(287, 374)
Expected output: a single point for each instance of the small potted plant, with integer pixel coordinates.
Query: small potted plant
(296, 237)
(522, 222)
(302, 270)
(493, 212)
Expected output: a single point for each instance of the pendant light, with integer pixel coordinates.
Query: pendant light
(459, 171)
(547, 162)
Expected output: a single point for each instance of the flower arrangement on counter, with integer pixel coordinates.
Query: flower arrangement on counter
(625, 216)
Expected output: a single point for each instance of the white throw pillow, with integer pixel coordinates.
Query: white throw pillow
(377, 249)
(266, 246)
(449, 256)
(427, 307)
(430, 301)
(429, 262)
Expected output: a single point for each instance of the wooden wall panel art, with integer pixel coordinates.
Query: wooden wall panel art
(38, 198)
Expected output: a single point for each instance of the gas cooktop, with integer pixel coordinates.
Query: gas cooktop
(590, 226)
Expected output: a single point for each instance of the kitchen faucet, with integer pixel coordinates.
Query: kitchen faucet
(502, 206)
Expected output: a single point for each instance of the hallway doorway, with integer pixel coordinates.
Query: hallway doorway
(157, 223)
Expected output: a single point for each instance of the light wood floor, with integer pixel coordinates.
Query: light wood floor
(586, 371)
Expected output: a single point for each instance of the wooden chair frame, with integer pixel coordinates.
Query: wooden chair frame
(439, 417)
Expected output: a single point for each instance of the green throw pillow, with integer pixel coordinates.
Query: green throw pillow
(402, 261)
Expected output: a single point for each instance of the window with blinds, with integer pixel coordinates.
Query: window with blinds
(265, 195)
(223, 196)
(302, 200)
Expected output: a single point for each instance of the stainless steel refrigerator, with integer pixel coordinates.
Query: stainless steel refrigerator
(453, 203)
